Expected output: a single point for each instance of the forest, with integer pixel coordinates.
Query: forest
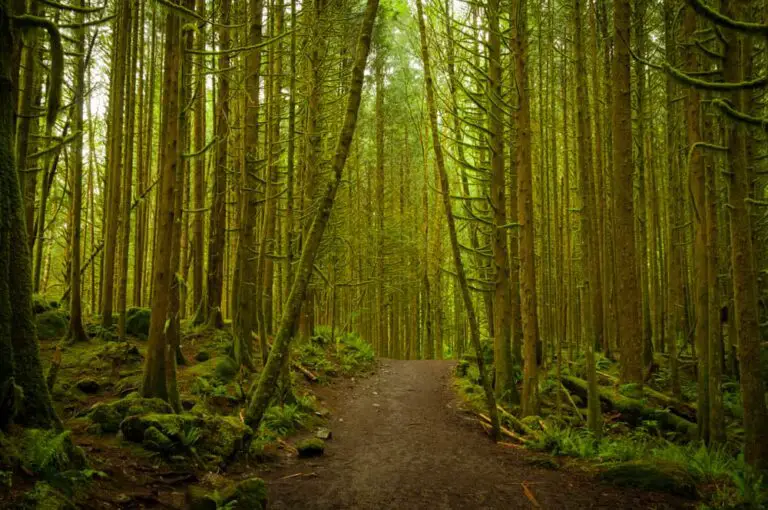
(383, 254)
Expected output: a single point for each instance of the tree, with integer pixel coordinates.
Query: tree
(262, 392)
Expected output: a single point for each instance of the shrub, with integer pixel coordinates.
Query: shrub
(284, 420)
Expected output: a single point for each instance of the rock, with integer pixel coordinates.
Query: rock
(156, 441)
(137, 322)
(310, 448)
(220, 436)
(323, 434)
(657, 476)
(250, 494)
(88, 385)
(226, 369)
(197, 498)
(45, 497)
(171, 425)
(51, 324)
(202, 356)
(224, 435)
(109, 416)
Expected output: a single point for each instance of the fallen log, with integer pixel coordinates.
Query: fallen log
(309, 375)
(486, 423)
(687, 411)
(518, 425)
(633, 410)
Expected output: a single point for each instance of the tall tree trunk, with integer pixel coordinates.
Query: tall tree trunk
(160, 365)
(455, 248)
(742, 254)
(628, 296)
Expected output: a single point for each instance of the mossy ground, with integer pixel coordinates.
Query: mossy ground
(136, 443)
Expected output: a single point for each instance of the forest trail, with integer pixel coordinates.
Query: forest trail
(400, 442)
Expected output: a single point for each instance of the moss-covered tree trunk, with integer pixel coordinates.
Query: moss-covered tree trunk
(160, 365)
(19, 349)
(263, 391)
(742, 253)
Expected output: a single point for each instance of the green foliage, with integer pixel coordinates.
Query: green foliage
(312, 356)
(354, 353)
(48, 452)
(307, 403)
(284, 420)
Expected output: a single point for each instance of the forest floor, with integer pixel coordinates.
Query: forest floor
(401, 440)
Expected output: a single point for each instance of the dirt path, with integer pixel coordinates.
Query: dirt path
(400, 443)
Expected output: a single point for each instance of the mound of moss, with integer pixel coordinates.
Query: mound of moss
(108, 417)
(313, 447)
(226, 369)
(659, 476)
(51, 324)
(219, 436)
(45, 497)
(250, 494)
(137, 322)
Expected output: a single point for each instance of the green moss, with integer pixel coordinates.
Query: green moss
(198, 498)
(220, 436)
(226, 369)
(45, 497)
(659, 476)
(157, 441)
(51, 324)
(109, 416)
(313, 447)
(224, 435)
(250, 494)
(137, 322)
(263, 450)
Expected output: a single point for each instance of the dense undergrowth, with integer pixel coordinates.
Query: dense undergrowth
(113, 440)
(638, 447)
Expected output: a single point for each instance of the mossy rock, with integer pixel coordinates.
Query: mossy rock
(250, 494)
(198, 498)
(224, 435)
(220, 436)
(226, 369)
(658, 476)
(173, 426)
(40, 304)
(137, 322)
(51, 324)
(45, 497)
(109, 416)
(313, 447)
(157, 441)
(263, 450)
(112, 354)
